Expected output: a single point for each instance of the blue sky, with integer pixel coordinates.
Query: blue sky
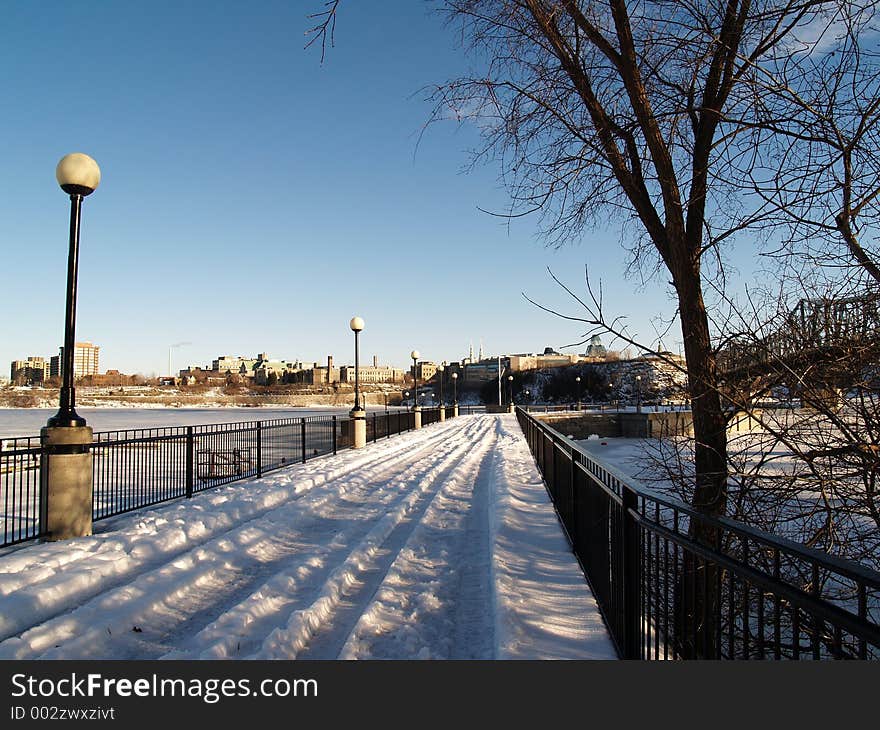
(254, 199)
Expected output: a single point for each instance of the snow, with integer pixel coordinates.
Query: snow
(435, 544)
(625, 455)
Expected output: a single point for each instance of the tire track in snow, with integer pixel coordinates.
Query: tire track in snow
(264, 627)
(475, 604)
(40, 582)
(227, 565)
(435, 601)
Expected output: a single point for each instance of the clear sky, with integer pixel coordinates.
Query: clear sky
(254, 199)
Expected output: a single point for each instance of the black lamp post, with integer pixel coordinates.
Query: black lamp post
(78, 175)
(455, 389)
(357, 325)
(510, 389)
(578, 381)
(415, 356)
(638, 393)
(440, 378)
(610, 393)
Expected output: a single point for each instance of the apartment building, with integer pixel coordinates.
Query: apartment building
(32, 371)
(374, 373)
(85, 360)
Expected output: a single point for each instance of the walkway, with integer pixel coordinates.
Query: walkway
(436, 544)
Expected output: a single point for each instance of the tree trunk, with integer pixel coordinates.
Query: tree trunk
(696, 597)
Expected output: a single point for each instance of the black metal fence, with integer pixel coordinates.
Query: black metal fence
(740, 594)
(385, 425)
(140, 467)
(20, 488)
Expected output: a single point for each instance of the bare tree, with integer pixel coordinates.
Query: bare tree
(619, 108)
(810, 146)
(809, 473)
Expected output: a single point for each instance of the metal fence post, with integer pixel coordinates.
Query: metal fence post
(631, 577)
(190, 458)
(573, 502)
(259, 448)
(303, 432)
(334, 435)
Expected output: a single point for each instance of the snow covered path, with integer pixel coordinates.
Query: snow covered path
(436, 544)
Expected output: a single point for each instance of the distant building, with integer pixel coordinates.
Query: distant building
(85, 360)
(425, 370)
(320, 375)
(595, 348)
(549, 359)
(264, 370)
(483, 371)
(239, 365)
(374, 373)
(32, 371)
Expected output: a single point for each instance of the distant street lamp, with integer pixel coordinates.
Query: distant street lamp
(638, 393)
(610, 392)
(455, 389)
(357, 326)
(358, 413)
(415, 356)
(78, 175)
(578, 381)
(510, 389)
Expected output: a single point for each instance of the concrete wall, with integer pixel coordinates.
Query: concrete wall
(627, 425)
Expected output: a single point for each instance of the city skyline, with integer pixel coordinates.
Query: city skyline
(211, 365)
(254, 198)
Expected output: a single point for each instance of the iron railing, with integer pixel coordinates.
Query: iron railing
(734, 592)
(20, 488)
(137, 468)
(385, 425)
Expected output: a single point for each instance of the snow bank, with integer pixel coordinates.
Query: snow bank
(544, 608)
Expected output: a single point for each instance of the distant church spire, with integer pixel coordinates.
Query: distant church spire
(471, 352)
(481, 349)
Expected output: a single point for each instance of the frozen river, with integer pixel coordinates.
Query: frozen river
(29, 421)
